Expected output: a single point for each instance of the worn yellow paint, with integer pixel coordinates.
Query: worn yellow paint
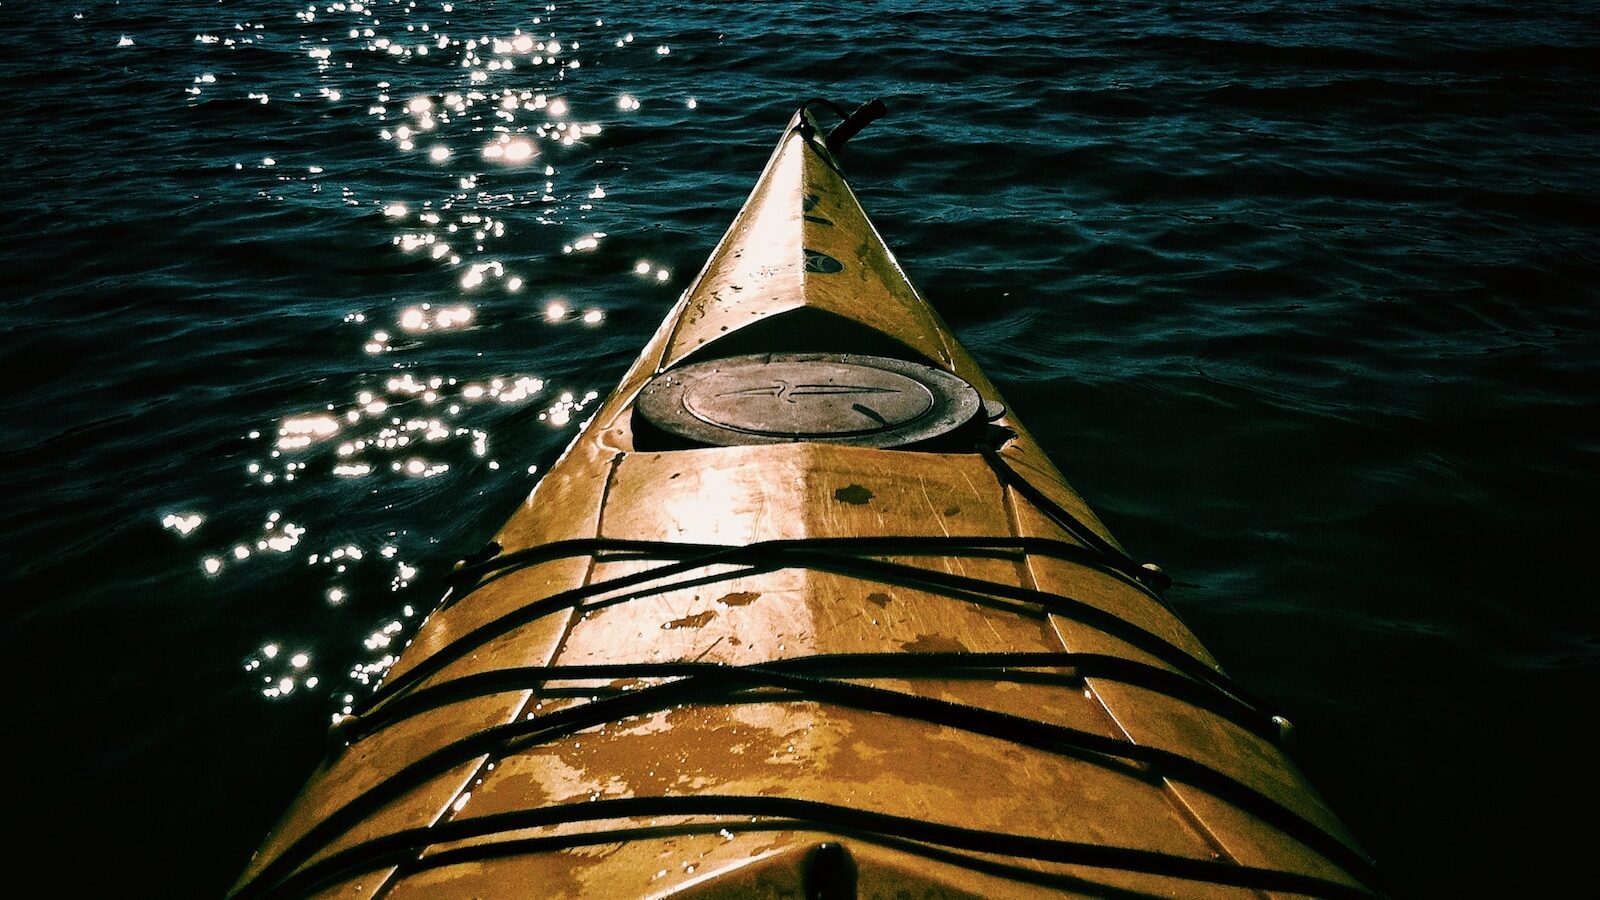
(771, 744)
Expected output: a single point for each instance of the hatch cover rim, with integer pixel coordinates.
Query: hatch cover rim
(943, 402)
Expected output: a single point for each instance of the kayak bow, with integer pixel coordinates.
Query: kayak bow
(805, 611)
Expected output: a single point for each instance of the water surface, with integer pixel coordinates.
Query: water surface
(303, 297)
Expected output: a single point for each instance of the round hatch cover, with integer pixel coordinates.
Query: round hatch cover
(769, 398)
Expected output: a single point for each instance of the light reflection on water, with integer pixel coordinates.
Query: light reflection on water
(486, 104)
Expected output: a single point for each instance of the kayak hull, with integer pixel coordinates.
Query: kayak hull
(805, 668)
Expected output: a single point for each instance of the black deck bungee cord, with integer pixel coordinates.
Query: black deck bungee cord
(1207, 689)
(1155, 579)
(402, 848)
(966, 665)
(513, 737)
(490, 564)
(816, 553)
(1012, 871)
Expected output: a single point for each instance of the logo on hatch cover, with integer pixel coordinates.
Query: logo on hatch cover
(787, 391)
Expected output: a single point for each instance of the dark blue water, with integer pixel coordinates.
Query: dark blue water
(1301, 296)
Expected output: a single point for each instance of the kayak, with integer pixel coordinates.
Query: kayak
(804, 611)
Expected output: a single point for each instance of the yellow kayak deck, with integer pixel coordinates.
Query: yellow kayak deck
(805, 668)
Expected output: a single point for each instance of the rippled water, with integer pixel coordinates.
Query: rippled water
(303, 295)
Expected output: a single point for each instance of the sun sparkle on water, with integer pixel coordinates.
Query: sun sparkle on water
(487, 116)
